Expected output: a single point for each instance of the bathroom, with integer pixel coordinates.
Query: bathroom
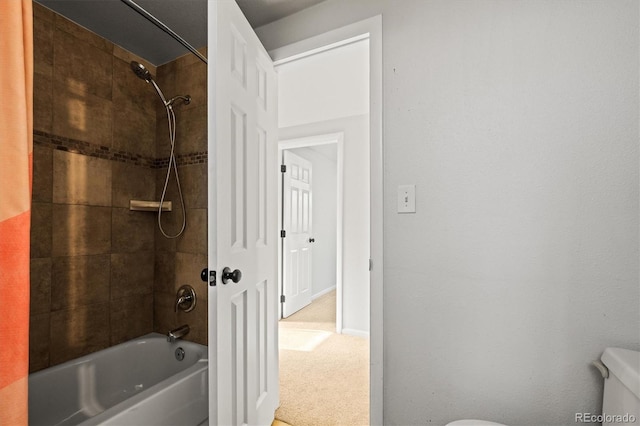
(516, 121)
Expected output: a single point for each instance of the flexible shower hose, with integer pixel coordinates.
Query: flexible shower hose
(171, 119)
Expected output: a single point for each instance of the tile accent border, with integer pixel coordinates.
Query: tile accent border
(76, 146)
(183, 159)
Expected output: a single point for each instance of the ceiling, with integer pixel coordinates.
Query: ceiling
(262, 12)
(119, 23)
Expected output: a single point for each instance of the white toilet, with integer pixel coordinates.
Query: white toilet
(621, 400)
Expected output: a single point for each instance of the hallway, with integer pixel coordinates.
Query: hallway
(324, 376)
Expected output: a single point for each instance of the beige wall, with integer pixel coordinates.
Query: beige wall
(99, 271)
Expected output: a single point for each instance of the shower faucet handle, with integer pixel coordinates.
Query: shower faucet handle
(186, 299)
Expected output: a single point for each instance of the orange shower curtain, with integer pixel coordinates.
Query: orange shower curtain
(16, 159)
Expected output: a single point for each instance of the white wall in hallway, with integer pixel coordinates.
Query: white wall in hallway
(322, 87)
(518, 123)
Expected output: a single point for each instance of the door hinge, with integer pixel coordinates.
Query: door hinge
(212, 278)
(283, 234)
(370, 265)
(282, 298)
(283, 169)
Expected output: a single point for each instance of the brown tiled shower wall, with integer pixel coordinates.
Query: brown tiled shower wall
(101, 274)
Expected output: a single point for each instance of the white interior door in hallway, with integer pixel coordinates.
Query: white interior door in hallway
(298, 238)
(242, 223)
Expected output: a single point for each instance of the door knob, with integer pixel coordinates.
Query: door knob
(312, 240)
(234, 276)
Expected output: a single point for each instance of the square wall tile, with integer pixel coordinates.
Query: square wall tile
(43, 102)
(132, 230)
(42, 189)
(82, 34)
(81, 230)
(165, 273)
(41, 229)
(164, 244)
(194, 238)
(130, 182)
(39, 326)
(41, 13)
(42, 40)
(77, 332)
(40, 286)
(134, 129)
(81, 115)
(192, 80)
(94, 76)
(163, 142)
(80, 280)
(131, 274)
(193, 180)
(191, 130)
(80, 179)
(164, 318)
(131, 317)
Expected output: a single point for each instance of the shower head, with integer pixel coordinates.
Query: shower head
(141, 71)
(145, 75)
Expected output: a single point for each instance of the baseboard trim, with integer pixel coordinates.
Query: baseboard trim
(323, 292)
(356, 333)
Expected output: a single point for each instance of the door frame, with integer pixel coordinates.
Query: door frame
(370, 28)
(306, 142)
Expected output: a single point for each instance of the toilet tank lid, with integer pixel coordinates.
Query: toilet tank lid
(625, 365)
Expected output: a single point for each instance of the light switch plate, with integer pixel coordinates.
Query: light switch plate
(406, 199)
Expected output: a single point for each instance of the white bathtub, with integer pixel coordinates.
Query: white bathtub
(139, 382)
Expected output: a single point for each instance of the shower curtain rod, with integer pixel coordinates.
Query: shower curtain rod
(164, 28)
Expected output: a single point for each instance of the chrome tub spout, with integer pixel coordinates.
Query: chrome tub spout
(177, 333)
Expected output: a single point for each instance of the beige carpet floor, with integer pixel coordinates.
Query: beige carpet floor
(324, 376)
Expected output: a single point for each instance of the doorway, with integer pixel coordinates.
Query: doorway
(325, 155)
(336, 111)
(230, 70)
(333, 114)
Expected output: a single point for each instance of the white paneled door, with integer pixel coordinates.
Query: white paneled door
(297, 224)
(242, 222)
